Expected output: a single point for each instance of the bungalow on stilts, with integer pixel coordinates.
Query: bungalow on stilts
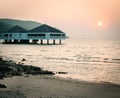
(18, 34)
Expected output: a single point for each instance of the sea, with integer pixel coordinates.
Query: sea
(84, 59)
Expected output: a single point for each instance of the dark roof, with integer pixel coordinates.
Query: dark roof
(16, 29)
(45, 28)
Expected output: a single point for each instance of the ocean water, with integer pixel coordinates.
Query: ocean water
(95, 60)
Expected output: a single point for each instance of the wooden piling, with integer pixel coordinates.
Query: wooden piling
(41, 41)
(24, 41)
(54, 41)
(47, 41)
(60, 41)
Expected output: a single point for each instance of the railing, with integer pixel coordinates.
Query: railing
(36, 37)
(46, 37)
(57, 37)
(33, 37)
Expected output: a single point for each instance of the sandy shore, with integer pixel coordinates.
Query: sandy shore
(43, 86)
(48, 86)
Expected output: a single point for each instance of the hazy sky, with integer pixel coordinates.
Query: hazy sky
(75, 17)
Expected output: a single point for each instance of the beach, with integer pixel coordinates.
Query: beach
(48, 86)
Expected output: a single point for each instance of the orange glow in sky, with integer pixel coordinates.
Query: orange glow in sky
(71, 16)
(99, 23)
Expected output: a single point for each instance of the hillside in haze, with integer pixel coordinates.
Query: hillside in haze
(6, 24)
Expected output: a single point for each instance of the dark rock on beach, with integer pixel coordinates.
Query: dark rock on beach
(0, 58)
(23, 59)
(61, 72)
(9, 69)
(2, 86)
(11, 94)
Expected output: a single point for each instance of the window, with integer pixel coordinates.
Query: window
(5, 35)
(36, 35)
(63, 34)
(10, 35)
(55, 34)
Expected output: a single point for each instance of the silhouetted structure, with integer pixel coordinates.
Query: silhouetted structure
(18, 34)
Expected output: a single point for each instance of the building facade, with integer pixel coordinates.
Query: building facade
(44, 32)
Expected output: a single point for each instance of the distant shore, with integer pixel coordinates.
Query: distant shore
(33, 82)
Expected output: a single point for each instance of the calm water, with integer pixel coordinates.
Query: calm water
(93, 60)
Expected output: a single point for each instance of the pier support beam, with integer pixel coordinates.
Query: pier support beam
(41, 41)
(54, 41)
(24, 41)
(48, 41)
(60, 41)
(15, 41)
(5, 41)
(35, 41)
(10, 41)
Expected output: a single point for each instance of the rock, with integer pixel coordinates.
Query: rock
(2, 86)
(1, 76)
(11, 94)
(1, 59)
(62, 72)
(47, 72)
(23, 59)
(10, 69)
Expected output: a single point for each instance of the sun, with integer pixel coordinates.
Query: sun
(99, 23)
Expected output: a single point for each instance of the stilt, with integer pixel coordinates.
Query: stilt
(54, 41)
(60, 41)
(41, 41)
(5, 41)
(35, 41)
(10, 40)
(18, 40)
(47, 41)
(15, 41)
(24, 41)
(30, 41)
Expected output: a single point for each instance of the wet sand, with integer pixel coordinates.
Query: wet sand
(48, 86)
(44, 86)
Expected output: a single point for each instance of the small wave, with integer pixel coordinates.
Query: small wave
(85, 57)
(116, 59)
(14, 54)
(106, 58)
(29, 55)
(67, 59)
(96, 61)
(43, 50)
(68, 51)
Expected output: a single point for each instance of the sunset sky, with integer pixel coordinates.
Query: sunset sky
(75, 17)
